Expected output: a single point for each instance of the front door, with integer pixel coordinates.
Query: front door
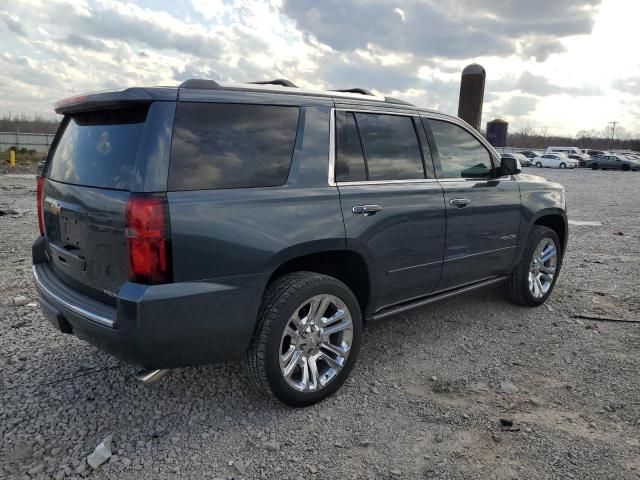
(482, 209)
(393, 208)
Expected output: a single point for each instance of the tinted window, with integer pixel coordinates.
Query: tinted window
(461, 155)
(99, 149)
(231, 146)
(391, 147)
(349, 159)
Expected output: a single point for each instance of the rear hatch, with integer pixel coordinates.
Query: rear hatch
(89, 176)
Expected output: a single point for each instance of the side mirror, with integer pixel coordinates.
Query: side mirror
(510, 166)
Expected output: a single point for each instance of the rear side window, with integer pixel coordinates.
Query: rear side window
(350, 165)
(391, 147)
(461, 154)
(98, 149)
(231, 146)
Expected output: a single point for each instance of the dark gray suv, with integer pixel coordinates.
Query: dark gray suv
(211, 222)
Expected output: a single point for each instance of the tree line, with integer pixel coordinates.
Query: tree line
(597, 140)
(27, 124)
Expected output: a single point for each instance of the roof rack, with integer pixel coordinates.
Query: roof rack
(203, 84)
(361, 91)
(200, 84)
(397, 100)
(283, 82)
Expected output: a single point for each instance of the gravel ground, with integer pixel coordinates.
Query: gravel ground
(424, 401)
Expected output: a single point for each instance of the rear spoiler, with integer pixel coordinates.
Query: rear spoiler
(114, 99)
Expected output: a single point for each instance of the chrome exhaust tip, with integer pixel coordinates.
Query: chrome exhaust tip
(148, 376)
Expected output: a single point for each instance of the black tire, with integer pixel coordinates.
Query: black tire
(625, 168)
(517, 287)
(538, 165)
(563, 165)
(279, 302)
(594, 166)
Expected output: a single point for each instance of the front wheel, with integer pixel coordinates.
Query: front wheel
(307, 338)
(594, 166)
(563, 165)
(535, 276)
(539, 165)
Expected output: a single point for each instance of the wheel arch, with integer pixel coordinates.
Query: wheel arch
(556, 220)
(552, 217)
(345, 265)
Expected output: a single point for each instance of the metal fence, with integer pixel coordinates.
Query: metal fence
(40, 142)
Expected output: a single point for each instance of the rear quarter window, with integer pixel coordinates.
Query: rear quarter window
(219, 146)
(98, 149)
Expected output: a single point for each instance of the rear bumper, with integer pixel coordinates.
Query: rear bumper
(158, 326)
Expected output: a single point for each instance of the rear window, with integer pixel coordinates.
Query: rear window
(231, 146)
(99, 149)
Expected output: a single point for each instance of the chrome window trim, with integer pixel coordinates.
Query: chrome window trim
(385, 182)
(378, 112)
(332, 148)
(74, 308)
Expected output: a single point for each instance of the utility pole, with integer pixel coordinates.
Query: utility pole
(613, 132)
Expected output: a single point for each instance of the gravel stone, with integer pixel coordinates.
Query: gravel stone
(101, 454)
(20, 300)
(272, 446)
(508, 388)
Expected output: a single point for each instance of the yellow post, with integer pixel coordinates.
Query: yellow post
(12, 158)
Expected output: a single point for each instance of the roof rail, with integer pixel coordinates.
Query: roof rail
(398, 101)
(200, 84)
(361, 91)
(283, 82)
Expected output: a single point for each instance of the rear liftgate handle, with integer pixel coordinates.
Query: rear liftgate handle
(459, 202)
(366, 210)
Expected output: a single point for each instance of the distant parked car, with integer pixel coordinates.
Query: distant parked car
(582, 158)
(555, 160)
(594, 153)
(524, 161)
(613, 162)
(565, 150)
(530, 154)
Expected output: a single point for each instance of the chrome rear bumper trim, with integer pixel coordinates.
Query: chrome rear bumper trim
(107, 322)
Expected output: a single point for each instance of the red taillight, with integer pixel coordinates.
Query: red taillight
(39, 184)
(147, 232)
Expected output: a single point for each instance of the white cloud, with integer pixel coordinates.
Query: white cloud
(564, 65)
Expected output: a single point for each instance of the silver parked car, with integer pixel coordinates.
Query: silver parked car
(613, 162)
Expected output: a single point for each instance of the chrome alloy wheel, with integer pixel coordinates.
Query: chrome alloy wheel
(315, 343)
(543, 267)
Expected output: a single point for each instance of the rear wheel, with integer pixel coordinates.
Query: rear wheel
(535, 276)
(538, 164)
(307, 338)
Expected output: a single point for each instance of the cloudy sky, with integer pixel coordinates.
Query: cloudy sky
(563, 65)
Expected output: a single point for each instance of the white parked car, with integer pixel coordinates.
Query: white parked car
(555, 160)
(565, 150)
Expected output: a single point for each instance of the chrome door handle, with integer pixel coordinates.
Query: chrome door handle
(459, 202)
(366, 210)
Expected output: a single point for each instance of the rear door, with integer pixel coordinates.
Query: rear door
(91, 169)
(392, 206)
(482, 209)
